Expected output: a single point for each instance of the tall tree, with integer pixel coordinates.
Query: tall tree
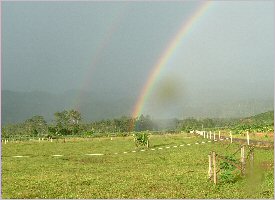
(67, 122)
(36, 125)
(74, 118)
(144, 123)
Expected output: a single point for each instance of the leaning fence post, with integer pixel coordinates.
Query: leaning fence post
(242, 160)
(247, 137)
(214, 167)
(210, 165)
(251, 160)
(230, 136)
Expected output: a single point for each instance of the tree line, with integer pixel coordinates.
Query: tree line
(69, 122)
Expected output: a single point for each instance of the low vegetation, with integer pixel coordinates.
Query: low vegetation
(175, 172)
(69, 123)
(107, 159)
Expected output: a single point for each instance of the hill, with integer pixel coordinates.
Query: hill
(262, 118)
(19, 106)
(95, 105)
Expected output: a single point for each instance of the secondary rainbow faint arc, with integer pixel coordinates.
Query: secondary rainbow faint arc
(106, 39)
(161, 63)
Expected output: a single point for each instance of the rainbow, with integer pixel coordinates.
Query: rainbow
(96, 58)
(165, 56)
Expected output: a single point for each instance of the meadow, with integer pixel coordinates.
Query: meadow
(80, 171)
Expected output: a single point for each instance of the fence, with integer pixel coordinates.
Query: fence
(214, 159)
(213, 136)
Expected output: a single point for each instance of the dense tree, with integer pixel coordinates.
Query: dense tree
(144, 123)
(36, 125)
(124, 124)
(67, 122)
(74, 118)
(208, 123)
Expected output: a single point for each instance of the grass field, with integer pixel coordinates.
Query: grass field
(175, 172)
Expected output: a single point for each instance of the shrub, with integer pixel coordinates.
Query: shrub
(227, 170)
(141, 139)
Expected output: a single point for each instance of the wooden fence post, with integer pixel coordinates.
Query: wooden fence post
(214, 136)
(219, 135)
(210, 134)
(230, 136)
(210, 165)
(214, 167)
(207, 135)
(247, 137)
(242, 160)
(251, 159)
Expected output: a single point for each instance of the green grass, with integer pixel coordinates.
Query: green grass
(168, 173)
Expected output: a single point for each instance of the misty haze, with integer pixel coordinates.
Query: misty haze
(97, 57)
(137, 100)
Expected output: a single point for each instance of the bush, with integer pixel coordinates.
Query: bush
(227, 169)
(141, 139)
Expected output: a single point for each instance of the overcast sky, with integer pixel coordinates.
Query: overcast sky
(113, 46)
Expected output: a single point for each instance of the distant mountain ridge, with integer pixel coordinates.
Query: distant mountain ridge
(266, 117)
(19, 106)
